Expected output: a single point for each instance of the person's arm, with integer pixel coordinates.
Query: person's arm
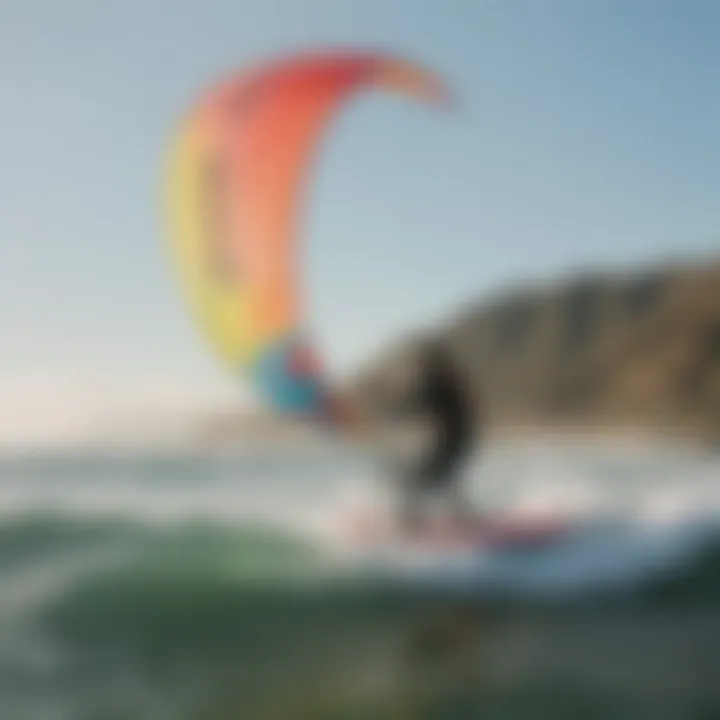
(401, 407)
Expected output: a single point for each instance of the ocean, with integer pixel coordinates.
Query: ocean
(187, 585)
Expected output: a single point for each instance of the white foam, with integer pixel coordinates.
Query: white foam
(655, 495)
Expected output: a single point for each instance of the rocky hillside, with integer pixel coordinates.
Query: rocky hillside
(639, 351)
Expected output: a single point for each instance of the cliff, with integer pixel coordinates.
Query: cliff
(597, 350)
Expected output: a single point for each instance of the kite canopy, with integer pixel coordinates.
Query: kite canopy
(236, 184)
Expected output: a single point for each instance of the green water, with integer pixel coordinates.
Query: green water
(172, 626)
(118, 603)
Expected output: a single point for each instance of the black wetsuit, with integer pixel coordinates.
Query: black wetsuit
(442, 398)
(444, 401)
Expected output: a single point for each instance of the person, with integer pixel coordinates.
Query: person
(441, 400)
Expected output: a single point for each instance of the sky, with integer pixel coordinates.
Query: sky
(584, 135)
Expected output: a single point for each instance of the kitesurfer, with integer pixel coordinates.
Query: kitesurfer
(440, 399)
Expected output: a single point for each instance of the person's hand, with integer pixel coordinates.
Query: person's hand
(347, 415)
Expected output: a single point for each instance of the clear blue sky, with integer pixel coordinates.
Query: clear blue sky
(585, 134)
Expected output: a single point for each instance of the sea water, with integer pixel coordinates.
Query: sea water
(201, 585)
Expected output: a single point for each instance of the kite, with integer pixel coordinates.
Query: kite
(238, 176)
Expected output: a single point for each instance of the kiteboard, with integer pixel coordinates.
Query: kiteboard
(480, 535)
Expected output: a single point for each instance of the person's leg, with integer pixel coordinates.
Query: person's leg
(408, 504)
(455, 499)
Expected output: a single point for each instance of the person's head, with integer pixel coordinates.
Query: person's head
(434, 355)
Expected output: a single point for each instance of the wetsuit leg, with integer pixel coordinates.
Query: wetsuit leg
(412, 501)
(441, 476)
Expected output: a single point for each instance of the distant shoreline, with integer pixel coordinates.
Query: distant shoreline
(287, 436)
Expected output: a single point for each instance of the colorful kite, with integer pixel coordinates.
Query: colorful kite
(237, 180)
